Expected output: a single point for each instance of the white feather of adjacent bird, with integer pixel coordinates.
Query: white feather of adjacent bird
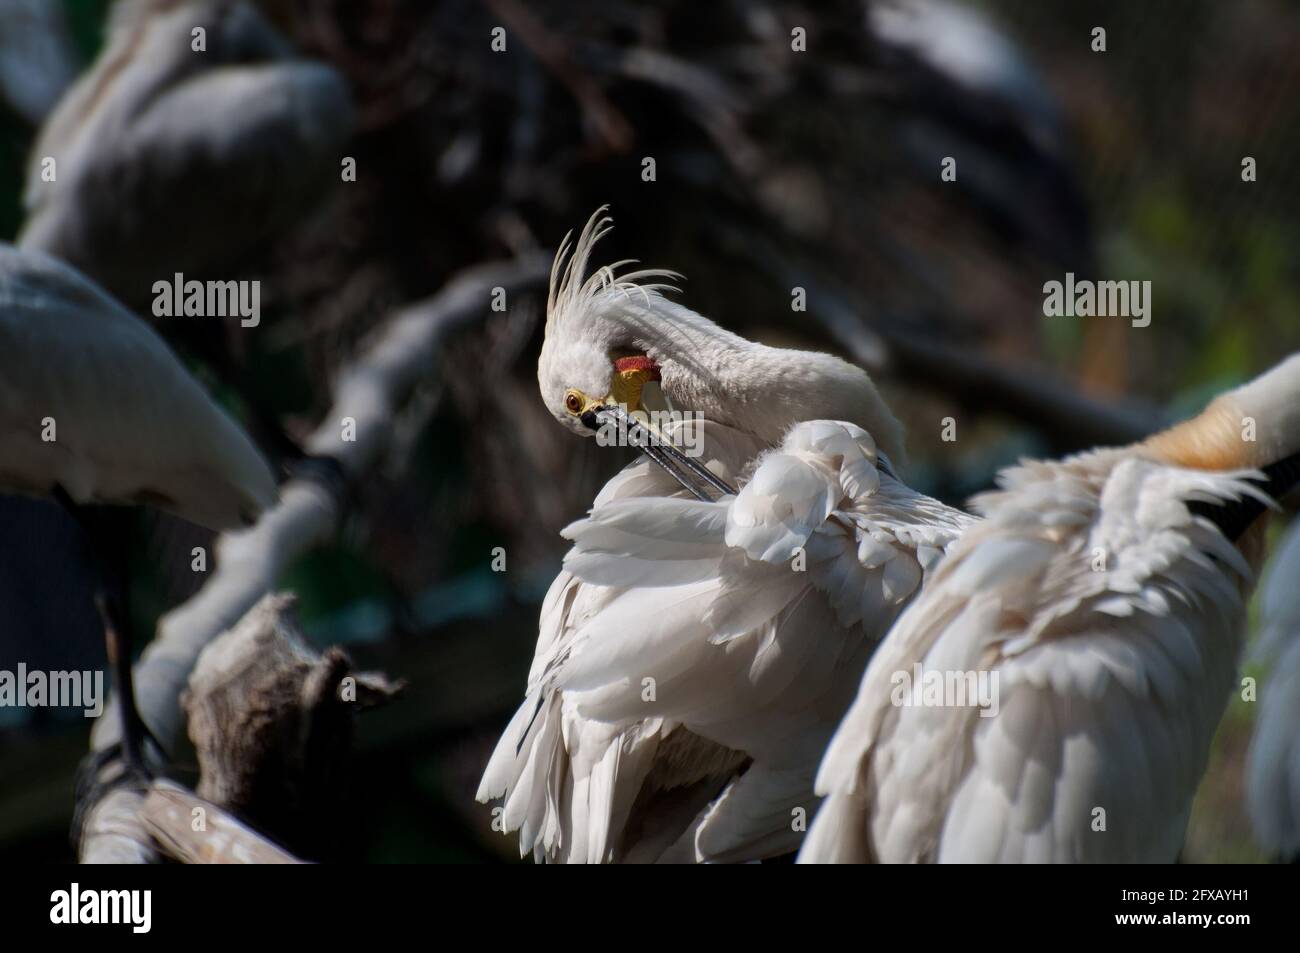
(679, 619)
(129, 422)
(1273, 766)
(1112, 677)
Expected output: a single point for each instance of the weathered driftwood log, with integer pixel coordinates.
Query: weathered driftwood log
(272, 721)
(194, 831)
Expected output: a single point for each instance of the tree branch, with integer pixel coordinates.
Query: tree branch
(168, 815)
(369, 391)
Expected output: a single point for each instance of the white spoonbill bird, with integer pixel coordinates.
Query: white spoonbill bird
(1102, 600)
(1273, 766)
(701, 644)
(94, 408)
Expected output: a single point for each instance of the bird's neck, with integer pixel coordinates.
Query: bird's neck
(1255, 425)
(762, 390)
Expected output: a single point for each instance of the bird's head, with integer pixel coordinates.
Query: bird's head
(617, 339)
(590, 359)
(577, 383)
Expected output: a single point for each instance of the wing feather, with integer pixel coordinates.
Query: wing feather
(1110, 681)
(744, 623)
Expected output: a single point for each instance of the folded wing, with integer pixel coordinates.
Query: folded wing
(1091, 602)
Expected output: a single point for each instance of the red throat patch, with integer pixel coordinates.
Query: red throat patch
(640, 363)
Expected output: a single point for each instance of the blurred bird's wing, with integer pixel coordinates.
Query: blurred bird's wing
(748, 621)
(1273, 770)
(223, 147)
(92, 400)
(37, 58)
(1092, 739)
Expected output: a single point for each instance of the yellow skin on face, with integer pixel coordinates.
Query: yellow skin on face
(625, 389)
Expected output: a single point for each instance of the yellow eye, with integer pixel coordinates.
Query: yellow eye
(573, 402)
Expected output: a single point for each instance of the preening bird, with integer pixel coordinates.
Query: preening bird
(167, 158)
(1273, 766)
(1105, 593)
(702, 642)
(95, 408)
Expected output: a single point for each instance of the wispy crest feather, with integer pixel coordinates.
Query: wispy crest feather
(570, 295)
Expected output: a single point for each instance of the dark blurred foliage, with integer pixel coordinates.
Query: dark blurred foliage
(1123, 164)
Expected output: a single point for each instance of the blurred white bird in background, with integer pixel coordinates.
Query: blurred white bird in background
(132, 425)
(164, 160)
(695, 654)
(95, 408)
(1273, 768)
(171, 159)
(1107, 593)
(958, 84)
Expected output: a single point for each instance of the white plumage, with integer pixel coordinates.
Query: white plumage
(1273, 772)
(130, 425)
(694, 657)
(1111, 613)
(752, 660)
